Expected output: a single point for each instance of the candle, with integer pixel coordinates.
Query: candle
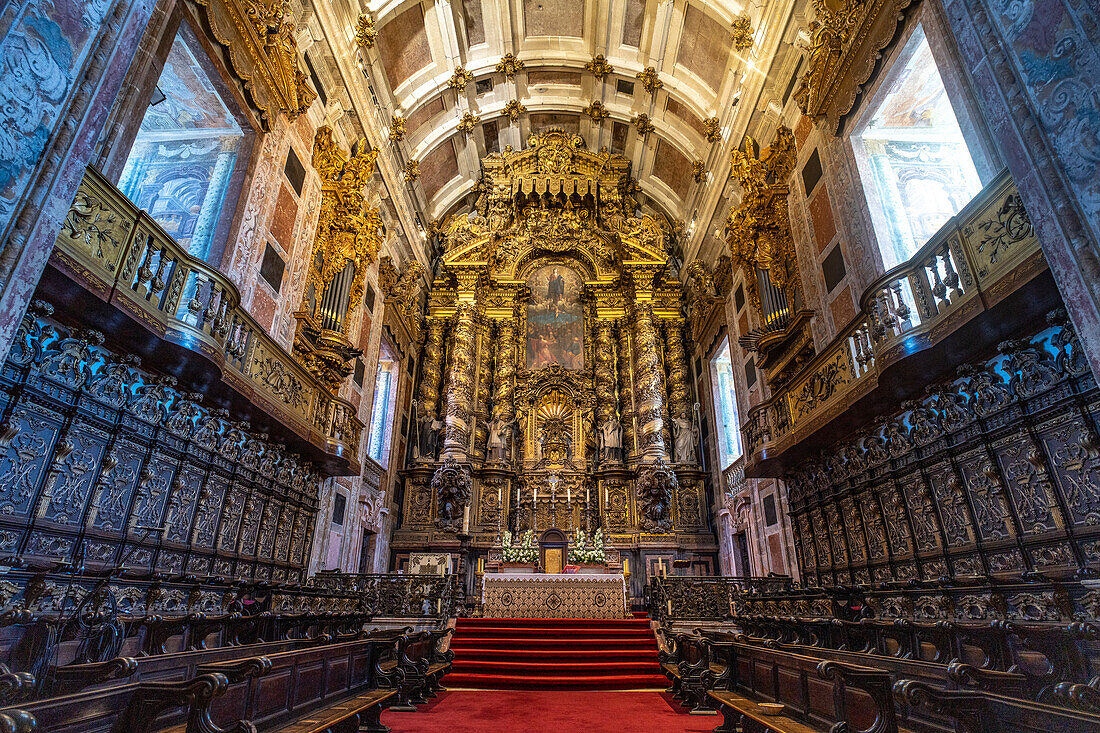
(517, 494)
(586, 495)
(466, 519)
(481, 565)
(568, 495)
(535, 494)
(626, 566)
(499, 496)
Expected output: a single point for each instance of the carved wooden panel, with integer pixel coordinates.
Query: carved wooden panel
(995, 472)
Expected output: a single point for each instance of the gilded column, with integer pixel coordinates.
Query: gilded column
(484, 386)
(431, 368)
(679, 393)
(505, 381)
(460, 376)
(605, 374)
(626, 390)
(649, 385)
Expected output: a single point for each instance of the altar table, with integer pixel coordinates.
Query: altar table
(545, 595)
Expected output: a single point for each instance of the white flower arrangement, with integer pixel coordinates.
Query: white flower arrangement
(586, 550)
(524, 551)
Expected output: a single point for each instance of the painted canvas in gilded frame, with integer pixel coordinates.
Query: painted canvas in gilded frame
(555, 318)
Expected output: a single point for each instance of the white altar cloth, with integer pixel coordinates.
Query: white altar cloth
(544, 595)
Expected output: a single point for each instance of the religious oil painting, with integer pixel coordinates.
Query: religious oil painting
(555, 318)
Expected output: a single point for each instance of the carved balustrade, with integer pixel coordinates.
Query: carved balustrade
(390, 594)
(973, 261)
(671, 598)
(121, 254)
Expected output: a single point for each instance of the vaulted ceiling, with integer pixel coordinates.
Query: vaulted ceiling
(444, 68)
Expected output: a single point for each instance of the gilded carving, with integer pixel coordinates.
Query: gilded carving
(262, 47)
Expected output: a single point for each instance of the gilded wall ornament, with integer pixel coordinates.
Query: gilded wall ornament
(365, 32)
(599, 67)
(509, 65)
(459, 79)
(513, 109)
(412, 170)
(650, 80)
(742, 33)
(397, 128)
(642, 123)
(263, 52)
(466, 124)
(698, 170)
(712, 130)
(596, 111)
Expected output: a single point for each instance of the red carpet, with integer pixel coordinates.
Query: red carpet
(508, 711)
(554, 654)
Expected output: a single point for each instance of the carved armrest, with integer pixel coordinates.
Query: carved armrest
(964, 706)
(875, 682)
(17, 721)
(15, 686)
(1081, 697)
(151, 699)
(238, 671)
(75, 677)
(1002, 683)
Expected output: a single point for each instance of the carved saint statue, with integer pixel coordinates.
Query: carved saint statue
(611, 440)
(428, 428)
(500, 439)
(686, 436)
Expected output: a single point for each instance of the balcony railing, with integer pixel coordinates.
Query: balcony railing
(981, 255)
(119, 252)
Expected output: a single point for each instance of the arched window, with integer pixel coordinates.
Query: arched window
(916, 168)
(725, 406)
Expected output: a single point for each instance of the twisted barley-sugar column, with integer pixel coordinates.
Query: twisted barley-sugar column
(626, 389)
(649, 388)
(460, 379)
(431, 368)
(679, 394)
(484, 386)
(605, 374)
(504, 386)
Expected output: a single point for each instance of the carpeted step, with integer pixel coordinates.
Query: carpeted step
(544, 682)
(554, 623)
(525, 633)
(519, 668)
(559, 654)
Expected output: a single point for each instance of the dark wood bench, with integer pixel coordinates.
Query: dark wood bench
(131, 708)
(950, 674)
(414, 669)
(688, 667)
(291, 688)
(817, 694)
(72, 678)
(984, 712)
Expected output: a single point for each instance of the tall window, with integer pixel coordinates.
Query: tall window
(180, 167)
(381, 416)
(729, 427)
(916, 168)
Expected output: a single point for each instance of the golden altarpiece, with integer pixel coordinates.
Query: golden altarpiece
(553, 382)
